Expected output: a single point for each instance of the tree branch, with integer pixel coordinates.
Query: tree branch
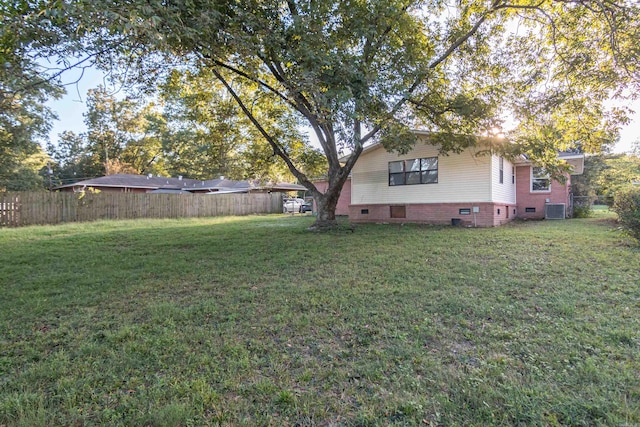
(280, 151)
(461, 40)
(65, 69)
(420, 78)
(249, 77)
(322, 129)
(394, 110)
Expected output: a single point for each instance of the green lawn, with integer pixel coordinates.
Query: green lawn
(254, 321)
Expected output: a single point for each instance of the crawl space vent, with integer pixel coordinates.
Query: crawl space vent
(554, 211)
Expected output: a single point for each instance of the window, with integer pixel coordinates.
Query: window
(414, 171)
(540, 180)
(364, 211)
(530, 210)
(501, 164)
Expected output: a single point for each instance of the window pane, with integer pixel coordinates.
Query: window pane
(540, 184)
(429, 163)
(430, 177)
(539, 172)
(395, 167)
(412, 165)
(396, 179)
(413, 177)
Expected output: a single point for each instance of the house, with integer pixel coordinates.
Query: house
(342, 208)
(538, 196)
(129, 183)
(468, 189)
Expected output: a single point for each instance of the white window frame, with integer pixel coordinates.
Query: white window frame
(403, 169)
(540, 177)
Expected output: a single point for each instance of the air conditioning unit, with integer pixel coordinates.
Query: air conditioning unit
(555, 211)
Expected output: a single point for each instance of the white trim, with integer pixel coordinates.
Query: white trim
(531, 182)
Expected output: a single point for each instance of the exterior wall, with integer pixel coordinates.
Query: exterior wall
(465, 181)
(558, 193)
(462, 178)
(504, 192)
(436, 213)
(345, 196)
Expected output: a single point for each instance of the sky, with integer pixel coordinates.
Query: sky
(71, 107)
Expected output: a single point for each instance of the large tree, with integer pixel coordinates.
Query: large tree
(71, 159)
(605, 175)
(24, 119)
(193, 129)
(207, 134)
(123, 134)
(360, 71)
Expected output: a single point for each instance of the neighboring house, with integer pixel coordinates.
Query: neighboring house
(147, 183)
(425, 186)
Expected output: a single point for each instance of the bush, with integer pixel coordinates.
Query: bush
(583, 205)
(582, 210)
(627, 206)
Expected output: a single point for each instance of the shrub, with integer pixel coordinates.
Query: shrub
(583, 205)
(582, 210)
(627, 206)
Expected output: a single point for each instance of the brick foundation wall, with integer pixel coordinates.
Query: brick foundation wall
(345, 196)
(435, 213)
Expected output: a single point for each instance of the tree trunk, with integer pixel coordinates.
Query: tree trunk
(326, 209)
(326, 203)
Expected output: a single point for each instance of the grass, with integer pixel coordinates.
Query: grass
(254, 321)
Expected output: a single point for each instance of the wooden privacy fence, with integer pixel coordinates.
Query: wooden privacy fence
(30, 208)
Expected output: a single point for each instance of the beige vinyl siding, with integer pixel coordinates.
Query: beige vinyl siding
(505, 192)
(461, 178)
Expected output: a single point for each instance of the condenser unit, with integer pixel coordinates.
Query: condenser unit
(555, 211)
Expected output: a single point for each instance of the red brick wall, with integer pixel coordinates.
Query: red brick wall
(435, 213)
(526, 199)
(345, 196)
